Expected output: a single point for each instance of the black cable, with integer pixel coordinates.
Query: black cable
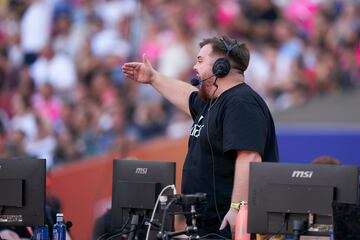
(118, 234)
(162, 227)
(213, 158)
(213, 163)
(277, 233)
(286, 220)
(133, 226)
(306, 229)
(119, 231)
(154, 224)
(102, 235)
(212, 152)
(213, 234)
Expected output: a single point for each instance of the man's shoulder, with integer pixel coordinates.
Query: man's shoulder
(246, 95)
(242, 94)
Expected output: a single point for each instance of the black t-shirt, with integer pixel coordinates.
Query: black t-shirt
(238, 120)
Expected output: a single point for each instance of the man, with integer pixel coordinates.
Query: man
(232, 127)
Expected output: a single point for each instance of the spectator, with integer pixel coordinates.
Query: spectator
(55, 68)
(48, 105)
(24, 118)
(66, 150)
(68, 37)
(43, 146)
(35, 29)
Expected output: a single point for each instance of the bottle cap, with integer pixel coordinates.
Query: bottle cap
(59, 217)
(242, 203)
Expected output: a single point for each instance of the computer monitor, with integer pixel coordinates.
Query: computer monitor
(136, 186)
(284, 197)
(346, 219)
(22, 192)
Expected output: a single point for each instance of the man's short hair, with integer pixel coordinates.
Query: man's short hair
(239, 55)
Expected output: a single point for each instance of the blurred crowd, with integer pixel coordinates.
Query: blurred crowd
(63, 95)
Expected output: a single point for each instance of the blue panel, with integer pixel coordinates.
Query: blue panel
(302, 145)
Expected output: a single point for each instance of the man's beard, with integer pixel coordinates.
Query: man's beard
(207, 90)
(204, 95)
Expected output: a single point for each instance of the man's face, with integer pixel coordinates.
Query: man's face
(203, 70)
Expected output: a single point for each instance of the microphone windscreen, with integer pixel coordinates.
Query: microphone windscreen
(195, 82)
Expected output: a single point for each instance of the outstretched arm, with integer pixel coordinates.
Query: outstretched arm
(176, 91)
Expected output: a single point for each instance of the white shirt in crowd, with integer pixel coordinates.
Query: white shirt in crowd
(60, 72)
(35, 27)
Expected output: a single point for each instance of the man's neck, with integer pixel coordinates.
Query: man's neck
(228, 82)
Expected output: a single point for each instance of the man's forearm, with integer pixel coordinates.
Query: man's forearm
(176, 91)
(241, 176)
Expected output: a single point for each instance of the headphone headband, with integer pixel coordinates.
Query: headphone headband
(222, 66)
(228, 48)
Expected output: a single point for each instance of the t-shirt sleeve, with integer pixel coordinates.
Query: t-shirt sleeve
(195, 104)
(244, 128)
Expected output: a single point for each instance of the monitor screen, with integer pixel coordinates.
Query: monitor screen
(22, 192)
(346, 219)
(136, 186)
(283, 194)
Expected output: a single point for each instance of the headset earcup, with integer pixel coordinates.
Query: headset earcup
(221, 67)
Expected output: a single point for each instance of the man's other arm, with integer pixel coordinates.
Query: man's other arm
(241, 185)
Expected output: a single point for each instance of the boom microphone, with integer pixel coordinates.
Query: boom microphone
(196, 81)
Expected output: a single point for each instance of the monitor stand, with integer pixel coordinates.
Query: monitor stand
(134, 225)
(298, 229)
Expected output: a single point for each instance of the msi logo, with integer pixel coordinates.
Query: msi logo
(302, 174)
(141, 170)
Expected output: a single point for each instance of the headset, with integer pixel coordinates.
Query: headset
(222, 66)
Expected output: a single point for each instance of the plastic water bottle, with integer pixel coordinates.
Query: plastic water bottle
(331, 233)
(41, 233)
(241, 223)
(59, 230)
